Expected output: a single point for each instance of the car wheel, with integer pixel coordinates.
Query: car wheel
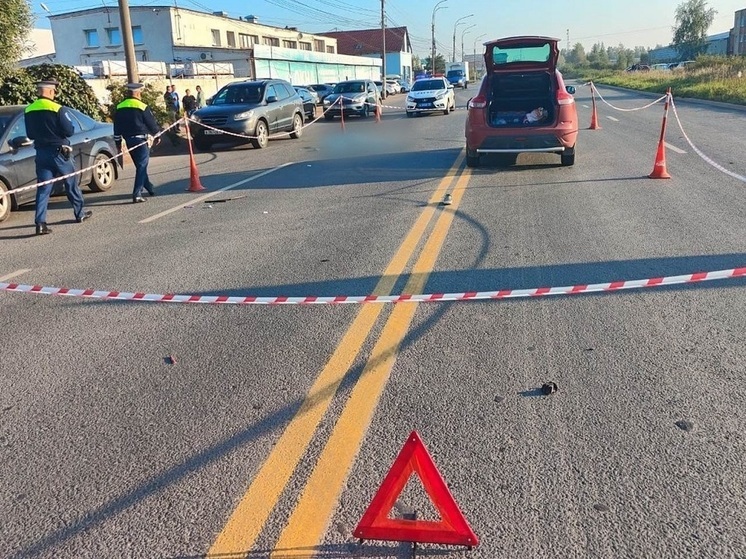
(568, 157)
(297, 127)
(472, 158)
(6, 203)
(104, 174)
(261, 135)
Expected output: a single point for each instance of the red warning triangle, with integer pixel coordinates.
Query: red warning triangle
(451, 529)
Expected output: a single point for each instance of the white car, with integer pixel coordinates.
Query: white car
(393, 87)
(429, 95)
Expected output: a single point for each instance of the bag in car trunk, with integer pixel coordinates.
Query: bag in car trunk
(515, 100)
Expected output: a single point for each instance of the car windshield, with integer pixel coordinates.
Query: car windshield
(424, 85)
(350, 87)
(239, 95)
(517, 53)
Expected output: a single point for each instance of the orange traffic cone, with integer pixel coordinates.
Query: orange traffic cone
(659, 169)
(342, 113)
(594, 115)
(194, 184)
(379, 111)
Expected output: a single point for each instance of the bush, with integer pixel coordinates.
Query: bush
(18, 87)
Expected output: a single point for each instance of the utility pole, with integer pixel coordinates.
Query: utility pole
(432, 52)
(383, 47)
(129, 45)
(568, 40)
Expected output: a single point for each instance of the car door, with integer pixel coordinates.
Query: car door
(21, 161)
(289, 102)
(372, 96)
(82, 143)
(274, 108)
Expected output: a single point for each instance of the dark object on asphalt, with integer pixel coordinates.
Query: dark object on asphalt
(548, 388)
(170, 360)
(221, 200)
(685, 425)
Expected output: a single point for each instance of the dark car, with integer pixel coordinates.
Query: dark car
(309, 101)
(93, 146)
(354, 97)
(321, 89)
(523, 104)
(249, 111)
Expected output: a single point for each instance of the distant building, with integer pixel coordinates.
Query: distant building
(38, 48)
(716, 45)
(369, 43)
(737, 39)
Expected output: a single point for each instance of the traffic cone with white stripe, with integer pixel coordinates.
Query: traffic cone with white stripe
(342, 113)
(659, 169)
(594, 115)
(194, 183)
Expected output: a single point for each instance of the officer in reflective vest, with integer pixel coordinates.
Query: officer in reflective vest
(50, 125)
(135, 124)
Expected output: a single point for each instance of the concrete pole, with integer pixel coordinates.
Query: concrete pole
(129, 45)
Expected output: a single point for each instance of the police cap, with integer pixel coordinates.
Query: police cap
(135, 86)
(48, 84)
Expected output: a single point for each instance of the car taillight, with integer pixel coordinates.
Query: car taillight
(564, 98)
(478, 102)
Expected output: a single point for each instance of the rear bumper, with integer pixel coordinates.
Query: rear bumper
(556, 139)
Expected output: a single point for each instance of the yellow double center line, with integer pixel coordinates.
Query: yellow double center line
(311, 515)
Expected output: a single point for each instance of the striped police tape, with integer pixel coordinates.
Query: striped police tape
(361, 299)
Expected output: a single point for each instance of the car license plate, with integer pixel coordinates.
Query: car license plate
(426, 105)
(209, 132)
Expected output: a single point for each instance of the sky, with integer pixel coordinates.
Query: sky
(630, 22)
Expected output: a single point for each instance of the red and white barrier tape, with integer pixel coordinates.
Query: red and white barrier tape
(360, 299)
(702, 155)
(125, 149)
(619, 108)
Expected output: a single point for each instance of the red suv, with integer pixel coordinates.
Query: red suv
(523, 104)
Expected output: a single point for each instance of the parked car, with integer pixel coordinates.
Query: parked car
(249, 108)
(321, 89)
(359, 97)
(523, 103)
(393, 87)
(638, 68)
(430, 95)
(93, 144)
(661, 67)
(405, 86)
(681, 65)
(309, 101)
(381, 93)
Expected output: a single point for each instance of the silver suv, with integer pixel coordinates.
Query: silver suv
(249, 111)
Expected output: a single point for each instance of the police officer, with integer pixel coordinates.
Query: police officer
(134, 122)
(50, 125)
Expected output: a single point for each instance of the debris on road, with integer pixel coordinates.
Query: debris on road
(170, 360)
(685, 425)
(548, 388)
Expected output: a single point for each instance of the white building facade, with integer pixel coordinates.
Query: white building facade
(176, 35)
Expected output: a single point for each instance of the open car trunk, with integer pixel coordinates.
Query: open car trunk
(521, 99)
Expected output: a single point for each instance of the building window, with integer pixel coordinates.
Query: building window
(272, 41)
(215, 37)
(305, 46)
(91, 37)
(113, 36)
(330, 50)
(290, 44)
(137, 35)
(231, 39)
(318, 45)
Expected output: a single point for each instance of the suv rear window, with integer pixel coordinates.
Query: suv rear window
(424, 85)
(239, 95)
(521, 54)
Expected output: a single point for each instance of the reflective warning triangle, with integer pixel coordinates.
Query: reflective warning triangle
(451, 529)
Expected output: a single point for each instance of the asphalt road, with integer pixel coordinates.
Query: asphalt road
(274, 428)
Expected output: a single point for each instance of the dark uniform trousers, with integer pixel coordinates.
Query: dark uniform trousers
(140, 157)
(50, 164)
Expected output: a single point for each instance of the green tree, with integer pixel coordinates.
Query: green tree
(16, 21)
(440, 64)
(416, 63)
(693, 19)
(18, 87)
(576, 55)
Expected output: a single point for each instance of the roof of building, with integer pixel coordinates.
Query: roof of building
(361, 42)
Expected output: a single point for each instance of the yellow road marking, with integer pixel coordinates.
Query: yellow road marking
(310, 518)
(245, 524)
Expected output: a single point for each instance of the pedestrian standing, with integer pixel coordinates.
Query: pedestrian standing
(176, 107)
(200, 97)
(135, 124)
(189, 102)
(50, 125)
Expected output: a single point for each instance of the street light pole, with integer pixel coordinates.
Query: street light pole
(432, 51)
(465, 30)
(453, 56)
(383, 49)
(475, 53)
